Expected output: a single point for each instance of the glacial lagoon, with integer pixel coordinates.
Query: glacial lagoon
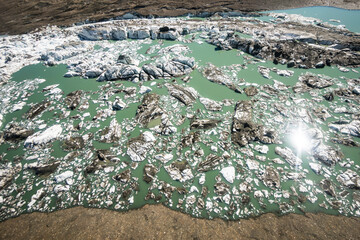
(175, 139)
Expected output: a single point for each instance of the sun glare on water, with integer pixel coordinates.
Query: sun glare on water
(300, 140)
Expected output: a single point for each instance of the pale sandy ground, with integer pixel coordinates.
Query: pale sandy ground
(159, 222)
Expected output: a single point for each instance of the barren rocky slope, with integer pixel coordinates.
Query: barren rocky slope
(22, 16)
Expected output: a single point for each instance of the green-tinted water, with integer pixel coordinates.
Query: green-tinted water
(99, 189)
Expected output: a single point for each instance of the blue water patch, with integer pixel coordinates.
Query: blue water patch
(349, 18)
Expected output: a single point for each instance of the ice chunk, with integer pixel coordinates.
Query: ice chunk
(228, 173)
(44, 137)
(63, 176)
(144, 90)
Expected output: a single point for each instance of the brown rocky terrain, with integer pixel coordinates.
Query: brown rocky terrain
(21, 16)
(159, 222)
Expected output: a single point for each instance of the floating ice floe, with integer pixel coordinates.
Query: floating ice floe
(44, 137)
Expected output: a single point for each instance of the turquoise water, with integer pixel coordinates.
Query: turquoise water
(349, 18)
(99, 189)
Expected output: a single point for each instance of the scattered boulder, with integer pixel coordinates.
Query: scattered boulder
(251, 91)
(211, 105)
(349, 128)
(118, 104)
(149, 173)
(328, 187)
(288, 155)
(44, 170)
(203, 123)
(186, 95)
(320, 64)
(73, 143)
(111, 134)
(271, 178)
(190, 139)
(138, 147)
(210, 163)
(216, 75)
(124, 59)
(349, 179)
(221, 188)
(180, 171)
(329, 96)
(16, 133)
(93, 73)
(37, 109)
(103, 159)
(73, 99)
(123, 177)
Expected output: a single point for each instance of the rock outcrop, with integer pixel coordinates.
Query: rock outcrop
(37, 109)
(349, 128)
(139, 147)
(210, 163)
(73, 99)
(149, 173)
(16, 133)
(288, 155)
(309, 81)
(290, 52)
(186, 95)
(244, 130)
(203, 123)
(211, 105)
(112, 133)
(271, 178)
(216, 75)
(149, 109)
(349, 179)
(179, 171)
